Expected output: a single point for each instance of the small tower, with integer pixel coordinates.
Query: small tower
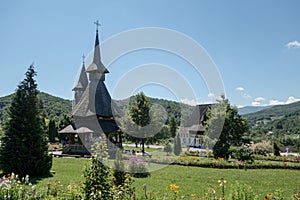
(81, 85)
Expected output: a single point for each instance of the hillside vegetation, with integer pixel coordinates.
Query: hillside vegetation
(56, 107)
(279, 123)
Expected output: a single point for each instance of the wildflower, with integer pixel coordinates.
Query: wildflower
(33, 188)
(269, 195)
(27, 179)
(173, 186)
(193, 195)
(222, 182)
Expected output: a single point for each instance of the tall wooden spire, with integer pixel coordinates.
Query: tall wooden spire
(97, 70)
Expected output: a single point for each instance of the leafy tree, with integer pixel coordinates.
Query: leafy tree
(64, 121)
(232, 132)
(173, 126)
(177, 145)
(139, 112)
(52, 132)
(24, 147)
(98, 184)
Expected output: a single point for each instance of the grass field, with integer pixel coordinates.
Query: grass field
(190, 179)
(197, 180)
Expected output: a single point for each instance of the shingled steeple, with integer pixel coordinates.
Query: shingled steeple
(97, 70)
(96, 100)
(81, 84)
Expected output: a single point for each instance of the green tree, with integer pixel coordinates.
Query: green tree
(52, 132)
(24, 147)
(98, 177)
(177, 145)
(173, 126)
(232, 132)
(139, 112)
(64, 121)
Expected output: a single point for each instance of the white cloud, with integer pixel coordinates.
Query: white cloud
(211, 95)
(241, 89)
(291, 99)
(274, 102)
(256, 103)
(191, 102)
(293, 44)
(259, 99)
(243, 93)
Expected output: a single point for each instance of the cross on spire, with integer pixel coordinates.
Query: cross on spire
(97, 24)
(83, 57)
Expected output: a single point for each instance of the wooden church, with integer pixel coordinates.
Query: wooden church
(94, 111)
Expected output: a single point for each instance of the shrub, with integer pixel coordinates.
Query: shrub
(243, 153)
(276, 149)
(262, 148)
(240, 191)
(98, 177)
(10, 187)
(168, 148)
(137, 167)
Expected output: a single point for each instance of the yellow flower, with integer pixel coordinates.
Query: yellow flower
(193, 195)
(269, 195)
(173, 186)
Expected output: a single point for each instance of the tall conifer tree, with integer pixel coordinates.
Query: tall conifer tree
(24, 146)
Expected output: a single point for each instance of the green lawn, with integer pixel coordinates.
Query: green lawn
(67, 170)
(197, 180)
(190, 179)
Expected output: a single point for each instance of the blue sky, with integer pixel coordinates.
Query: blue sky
(255, 45)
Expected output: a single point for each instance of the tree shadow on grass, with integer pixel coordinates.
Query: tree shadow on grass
(36, 180)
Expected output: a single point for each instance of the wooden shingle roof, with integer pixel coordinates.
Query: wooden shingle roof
(96, 100)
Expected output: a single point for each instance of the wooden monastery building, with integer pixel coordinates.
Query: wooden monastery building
(94, 111)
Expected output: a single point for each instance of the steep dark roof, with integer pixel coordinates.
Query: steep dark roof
(96, 100)
(84, 130)
(199, 115)
(82, 81)
(68, 129)
(97, 65)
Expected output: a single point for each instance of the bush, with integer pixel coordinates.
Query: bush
(137, 167)
(262, 148)
(240, 191)
(168, 148)
(243, 153)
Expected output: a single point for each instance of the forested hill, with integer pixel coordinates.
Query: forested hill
(278, 111)
(55, 107)
(281, 120)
